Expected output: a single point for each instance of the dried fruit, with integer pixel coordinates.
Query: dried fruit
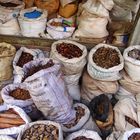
(106, 57)
(134, 136)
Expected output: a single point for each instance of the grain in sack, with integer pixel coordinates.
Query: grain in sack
(73, 57)
(105, 67)
(32, 21)
(132, 62)
(43, 78)
(23, 56)
(7, 52)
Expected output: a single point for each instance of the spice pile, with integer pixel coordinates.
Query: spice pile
(134, 136)
(82, 138)
(9, 119)
(20, 94)
(35, 69)
(134, 54)
(41, 132)
(8, 4)
(106, 57)
(24, 58)
(80, 112)
(69, 50)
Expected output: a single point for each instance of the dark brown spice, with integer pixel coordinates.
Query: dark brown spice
(82, 138)
(80, 112)
(8, 4)
(35, 69)
(69, 50)
(134, 136)
(106, 57)
(24, 58)
(20, 94)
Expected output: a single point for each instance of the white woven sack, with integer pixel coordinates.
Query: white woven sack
(99, 73)
(132, 66)
(11, 100)
(108, 4)
(14, 130)
(36, 53)
(71, 66)
(5, 137)
(96, 8)
(60, 133)
(114, 136)
(127, 134)
(87, 133)
(59, 32)
(91, 26)
(48, 91)
(81, 122)
(32, 27)
(10, 27)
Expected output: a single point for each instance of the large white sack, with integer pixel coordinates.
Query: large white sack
(99, 73)
(10, 27)
(95, 7)
(72, 68)
(5, 137)
(32, 27)
(14, 131)
(132, 66)
(48, 91)
(91, 26)
(36, 53)
(126, 106)
(87, 133)
(108, 4)
(59, 32)
(114, 136)
(60, 132)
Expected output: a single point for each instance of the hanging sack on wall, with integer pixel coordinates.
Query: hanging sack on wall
(32, 22)
(109, 72)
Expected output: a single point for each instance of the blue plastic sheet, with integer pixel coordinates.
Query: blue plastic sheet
(32, 15)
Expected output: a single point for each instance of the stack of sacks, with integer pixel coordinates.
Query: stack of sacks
(102, 70)
(93, 19)
(9, 11)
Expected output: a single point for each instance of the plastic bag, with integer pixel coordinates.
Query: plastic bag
(14, 130)
(10, 27)
(91, 26)
(60, 133)
(125, 107)
(81, 122)
(85, 133)
(72, 68)
(36, 53)
(32, 27)
(99, 73)
(132, 66)
(59, 32)
(127, 83)
(47, 88)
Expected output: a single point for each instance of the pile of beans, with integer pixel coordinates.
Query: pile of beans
(134, 136)
(106, 57)
(69, 50)
(80, 112)
(35, 69)
(20, 94)
(41, 132)
(24, 58)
